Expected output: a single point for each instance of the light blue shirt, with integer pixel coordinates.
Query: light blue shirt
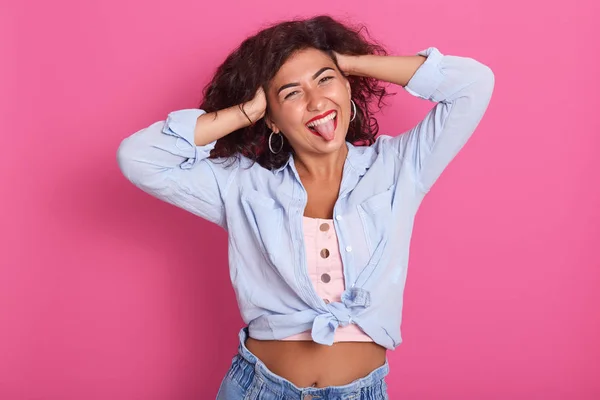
(382, 187)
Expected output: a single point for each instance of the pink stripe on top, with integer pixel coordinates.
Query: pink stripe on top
(325, 270)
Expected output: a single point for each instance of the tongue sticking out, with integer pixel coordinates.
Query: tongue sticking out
(326, 130)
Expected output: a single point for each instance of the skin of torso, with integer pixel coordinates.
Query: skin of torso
(306, 363)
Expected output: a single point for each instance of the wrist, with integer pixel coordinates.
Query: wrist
(247, 120)
(357, 65)
(248, 113)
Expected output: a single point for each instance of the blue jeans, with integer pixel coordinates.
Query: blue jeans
(249, 379)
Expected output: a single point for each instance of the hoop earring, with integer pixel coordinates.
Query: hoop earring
(271, 146)
(354, 108)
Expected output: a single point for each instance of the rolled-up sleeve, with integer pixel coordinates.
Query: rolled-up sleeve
(163, 161)
(462, 88)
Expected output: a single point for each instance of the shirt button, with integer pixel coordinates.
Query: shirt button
(324, 227)
(338, 217)
(325, 278)
(324, 253)
(348, 249)
(307, 397)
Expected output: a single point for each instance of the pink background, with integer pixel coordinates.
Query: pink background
(107, 293)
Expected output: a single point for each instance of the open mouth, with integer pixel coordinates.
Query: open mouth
(324, 127)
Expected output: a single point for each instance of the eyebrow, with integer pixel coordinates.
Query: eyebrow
(315, 76)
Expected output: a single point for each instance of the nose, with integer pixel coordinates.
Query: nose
(316, 101)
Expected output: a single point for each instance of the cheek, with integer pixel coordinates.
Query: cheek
(339, 93)
(292, 113)
(281, 113)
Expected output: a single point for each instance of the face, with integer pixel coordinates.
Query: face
(309, 103)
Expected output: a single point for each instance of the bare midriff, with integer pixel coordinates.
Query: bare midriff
(310, 364)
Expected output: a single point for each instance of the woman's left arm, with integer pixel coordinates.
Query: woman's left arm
(394, 69)
(461, 87)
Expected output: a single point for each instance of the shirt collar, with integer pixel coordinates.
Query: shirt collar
(359, 158)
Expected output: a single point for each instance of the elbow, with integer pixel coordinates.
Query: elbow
(487, 80)
(137, 166)
(126, 159)
(481, 87)
(480, 76)
(483, 91)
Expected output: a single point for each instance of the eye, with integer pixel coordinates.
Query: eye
(290, 94)
(325, 79)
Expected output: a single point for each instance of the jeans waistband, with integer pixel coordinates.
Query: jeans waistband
(288, 388)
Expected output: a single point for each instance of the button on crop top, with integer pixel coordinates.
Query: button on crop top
(325, 270)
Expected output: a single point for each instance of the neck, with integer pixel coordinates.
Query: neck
(321, 167)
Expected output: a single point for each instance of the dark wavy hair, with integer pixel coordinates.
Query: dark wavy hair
(256, 61)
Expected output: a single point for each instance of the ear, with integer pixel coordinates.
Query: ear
(267, 117)
(348, 88)
(270, 124)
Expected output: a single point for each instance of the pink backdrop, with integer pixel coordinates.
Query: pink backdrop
(106, 293)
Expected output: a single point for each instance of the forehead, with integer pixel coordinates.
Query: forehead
(301, 64)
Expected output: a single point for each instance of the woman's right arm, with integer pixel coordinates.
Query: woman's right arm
(169, 159)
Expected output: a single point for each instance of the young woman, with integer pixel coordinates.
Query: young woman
(283, 154)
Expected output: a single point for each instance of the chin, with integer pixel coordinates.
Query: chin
(331, 146)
